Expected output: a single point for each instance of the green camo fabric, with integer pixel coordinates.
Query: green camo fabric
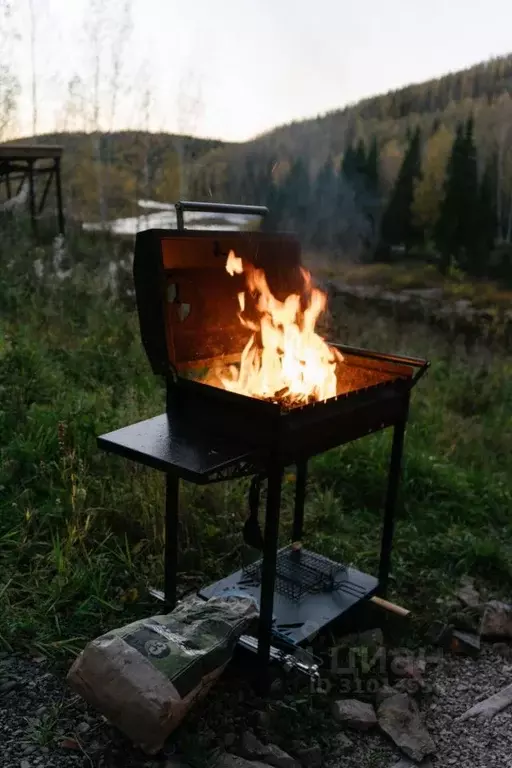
(193, 640)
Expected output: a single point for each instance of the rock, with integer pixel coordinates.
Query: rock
(355, 714)
(407, 666)
(233, 761)
(24, 764)
(175, 762)
(489, 707)
(83, 727)
(406, 763)
(310, 757)
(399, 718)
(252, 748)
(468, 595)
(504, 650)
(409, 685)
(384, 693)
(342, 745)
(497, 620)
(229, 740)
(8, 686)
(279, 758)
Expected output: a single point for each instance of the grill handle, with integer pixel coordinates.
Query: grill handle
(187, 205)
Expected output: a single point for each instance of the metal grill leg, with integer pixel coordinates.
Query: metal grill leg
(58, 189)
(171, 538)
(32, 197)
(268, 573)
(389, 510)
(300, 496)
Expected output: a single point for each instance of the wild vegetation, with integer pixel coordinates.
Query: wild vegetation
(81, 532)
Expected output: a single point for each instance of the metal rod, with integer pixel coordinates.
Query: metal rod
(45, 191)
(300, 496)
(20, 186)
(198, 207)
(32, 197)
(389, 509)
(268, 571)
(58, 189)
(171, 538)
(406, 360)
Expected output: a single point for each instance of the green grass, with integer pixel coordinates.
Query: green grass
(81, 532)
(416, 275)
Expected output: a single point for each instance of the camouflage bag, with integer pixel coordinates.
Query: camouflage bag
(146, 676)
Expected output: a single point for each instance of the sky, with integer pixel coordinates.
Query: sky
(232, 69)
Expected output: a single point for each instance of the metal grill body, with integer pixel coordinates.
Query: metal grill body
(187, 310)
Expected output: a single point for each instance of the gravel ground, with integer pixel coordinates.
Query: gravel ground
(43, 725)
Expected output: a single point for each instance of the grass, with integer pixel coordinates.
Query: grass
(417, 275)
(81, 533)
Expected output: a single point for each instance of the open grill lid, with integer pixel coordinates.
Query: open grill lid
(186, 300)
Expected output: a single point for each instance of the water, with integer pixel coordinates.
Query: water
(164, 217)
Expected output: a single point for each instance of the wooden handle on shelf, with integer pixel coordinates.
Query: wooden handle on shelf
(392, 607)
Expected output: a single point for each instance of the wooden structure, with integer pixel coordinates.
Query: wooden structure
(20, 163)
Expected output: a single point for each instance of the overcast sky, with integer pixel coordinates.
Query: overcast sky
(234, 68)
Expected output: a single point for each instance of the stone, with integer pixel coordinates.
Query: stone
(407, 666)
(8, 686)
(490, 706)
(310, 757)
(251, 747)
(504, 650)
(354, 714)
(342, 745)
(497, 620)
(384, 692)
(229, 740)
(409, 685)
(233, 761)
(279, 758)
(406, 763)
(400, 719)
(24, 764)
(83, 727)
(468, 595)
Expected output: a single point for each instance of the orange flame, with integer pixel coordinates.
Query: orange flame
(284, 358)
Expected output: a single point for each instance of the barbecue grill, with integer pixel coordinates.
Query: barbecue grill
(189, 311)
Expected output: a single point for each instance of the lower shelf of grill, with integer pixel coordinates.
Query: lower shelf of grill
(298, 620)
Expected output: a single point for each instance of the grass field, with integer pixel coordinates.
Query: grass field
(81, 532)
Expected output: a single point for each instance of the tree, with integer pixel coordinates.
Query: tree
(428, 190)
(457, 231)
(297, 197)
(398, 227)
(324, 211)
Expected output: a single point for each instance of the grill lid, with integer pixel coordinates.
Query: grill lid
(186, 300)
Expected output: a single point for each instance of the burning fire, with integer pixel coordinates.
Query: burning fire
(284, 359)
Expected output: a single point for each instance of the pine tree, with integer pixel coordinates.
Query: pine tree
(448, 227)
(457, 232)
(296, 193)
(398, 226)
(324, 206)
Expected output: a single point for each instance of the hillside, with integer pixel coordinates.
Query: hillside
(333, 178)
(483, 89)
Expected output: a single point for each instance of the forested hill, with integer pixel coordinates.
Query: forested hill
(424, 170)
(484, 89)
(427, 167)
